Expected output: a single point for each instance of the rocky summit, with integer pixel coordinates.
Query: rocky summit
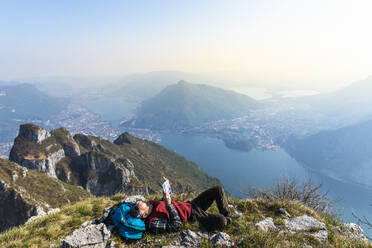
(127, 165)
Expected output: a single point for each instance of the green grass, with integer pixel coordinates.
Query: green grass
(51, 229)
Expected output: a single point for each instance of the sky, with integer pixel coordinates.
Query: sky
(300, 44)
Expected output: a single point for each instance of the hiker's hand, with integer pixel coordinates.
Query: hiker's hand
(167, 198)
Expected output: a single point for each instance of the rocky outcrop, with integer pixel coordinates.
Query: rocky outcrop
(40, 213)
(26, 195)
(308, 223)
(266, 225)
(58, 155)
(91, 236)
(124, 138)
(303, 223)
(35, 148)
(45, 164)
(221, 239)
(187, 238)
(103, 167)
(33, 133)
(354, 231)
(106, 176)
(14, 210)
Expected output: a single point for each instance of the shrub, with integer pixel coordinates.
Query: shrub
(363, 220)
(308, 193)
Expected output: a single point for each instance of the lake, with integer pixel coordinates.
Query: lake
(236, 170)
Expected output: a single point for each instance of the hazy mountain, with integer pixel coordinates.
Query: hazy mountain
(24, 102)
(343, 107)
(185, 105)
(344, 153)
(143, 86)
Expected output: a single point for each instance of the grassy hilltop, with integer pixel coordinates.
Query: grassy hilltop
(48, 231)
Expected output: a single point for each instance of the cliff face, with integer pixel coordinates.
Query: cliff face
(106, 176)
(14, 209)
(25, 194)
(58, 155)
(37, 149)
(127, 165)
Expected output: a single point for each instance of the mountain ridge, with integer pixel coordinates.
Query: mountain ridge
(133, 165)
(335, 152)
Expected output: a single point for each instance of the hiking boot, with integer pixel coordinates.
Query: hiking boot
(232, 218)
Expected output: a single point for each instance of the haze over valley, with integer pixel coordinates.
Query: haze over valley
(110, 97)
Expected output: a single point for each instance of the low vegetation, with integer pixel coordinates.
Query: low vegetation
(48, 231)
(363, 220)
(288, 188)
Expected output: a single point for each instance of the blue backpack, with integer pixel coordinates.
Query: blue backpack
(128, 226)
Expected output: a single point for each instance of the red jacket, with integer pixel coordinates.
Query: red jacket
(160, 211)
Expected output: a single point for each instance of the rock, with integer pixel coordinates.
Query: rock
(133, 198)
(282, 212)
(101, 167)
(266, 225)
(71, 149)
(40, 213)
(105, 214)
(111, 245)
(24, 200)
(322, 235)
(33, 133)
(14, 209)
(47, 165)
(187, 238)
(354, 231)
(220, 239)
(203, 234)
(127, 163)
(86, 223)
(24, 172)
(91, 236)
(124, 138)
(307, 246)
(304, 222)
(234, 208)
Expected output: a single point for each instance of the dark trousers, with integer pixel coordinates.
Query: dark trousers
(202, 202)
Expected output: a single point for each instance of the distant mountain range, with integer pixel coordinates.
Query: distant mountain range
(186, 105)
(343, 107)
(25, 103)
(344, 153)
